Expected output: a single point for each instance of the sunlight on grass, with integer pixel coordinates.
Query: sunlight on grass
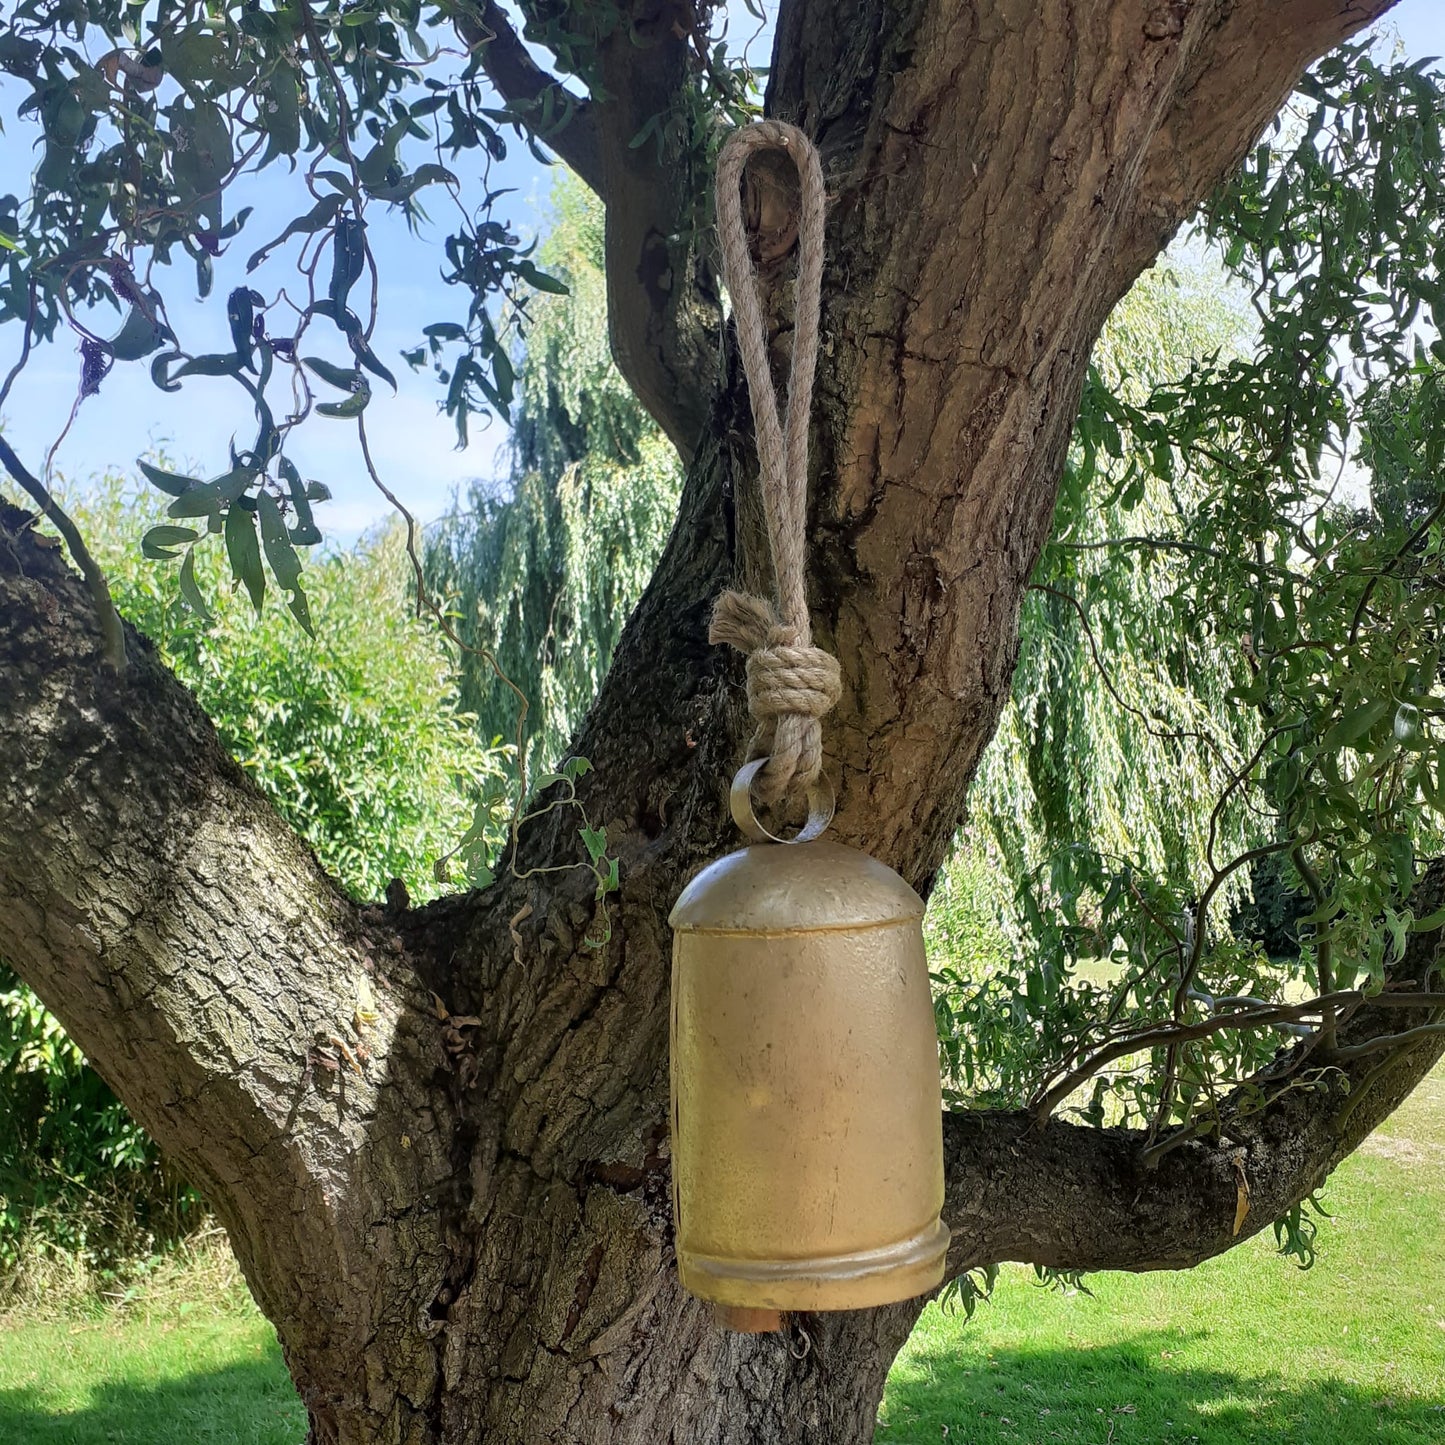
(184, 1359)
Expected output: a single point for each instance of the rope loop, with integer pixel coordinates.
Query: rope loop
(791, 683)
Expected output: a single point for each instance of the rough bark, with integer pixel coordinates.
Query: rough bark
(466, 1234)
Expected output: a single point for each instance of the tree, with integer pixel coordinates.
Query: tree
(468, 1234)
(544, 571)
(356, 739)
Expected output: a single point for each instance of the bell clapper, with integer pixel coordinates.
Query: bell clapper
(745, 1321)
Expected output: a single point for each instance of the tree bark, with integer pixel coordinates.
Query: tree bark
(438, 1139)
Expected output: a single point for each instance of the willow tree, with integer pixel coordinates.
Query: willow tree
(543, 568)
(437, 1136)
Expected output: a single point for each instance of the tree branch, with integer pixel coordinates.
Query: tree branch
(532, 92)
(1076, 1197)
(663, 307)
(1240, 64)
(264, 1029)
(105, 612)
(664, 313)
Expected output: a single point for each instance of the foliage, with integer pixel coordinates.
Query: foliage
(968, 1290)
(543, 572)
(1228, 612)
(1224, 611)
(354, 735)
(77, 1174)
(154, 119)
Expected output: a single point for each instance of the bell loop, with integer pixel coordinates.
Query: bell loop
(821, 802)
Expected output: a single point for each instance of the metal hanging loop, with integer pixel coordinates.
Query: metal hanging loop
(821, 802)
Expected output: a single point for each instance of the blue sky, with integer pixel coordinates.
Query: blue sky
(413, 445)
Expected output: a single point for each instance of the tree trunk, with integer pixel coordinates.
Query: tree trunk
(438, 1139)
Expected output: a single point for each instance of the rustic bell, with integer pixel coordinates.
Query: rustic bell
(807, 1140)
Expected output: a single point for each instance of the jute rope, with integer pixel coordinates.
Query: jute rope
(791, 683)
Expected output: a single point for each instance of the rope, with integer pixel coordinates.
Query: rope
(791, 683)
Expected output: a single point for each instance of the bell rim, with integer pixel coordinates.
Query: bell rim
(897, 1271)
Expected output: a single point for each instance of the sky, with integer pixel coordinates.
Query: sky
(414, 445)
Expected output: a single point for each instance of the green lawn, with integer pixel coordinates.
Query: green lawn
(1246, 1348)
(186, 1361)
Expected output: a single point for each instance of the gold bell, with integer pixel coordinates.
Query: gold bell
(807, 1135)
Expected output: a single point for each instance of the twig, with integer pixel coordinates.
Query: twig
(1385, 1041)
(1159, 1035)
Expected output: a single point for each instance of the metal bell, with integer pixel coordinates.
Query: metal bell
(807, 1136)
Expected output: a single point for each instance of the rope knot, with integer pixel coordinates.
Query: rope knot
(785, 678)
(791, 685)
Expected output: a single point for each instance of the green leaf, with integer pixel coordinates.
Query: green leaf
(611, 879)
(198, 501)
(367, 358)
(170, 482)
(344, 378)
(382, 156)
(214, 364)
(139, 336)
(281, 557)
(280, 114)
(595, 842)
(301, 610)
(244, 550)
(241, 315)
(1356, 723)
(304, 532)
(190, 591)
(347, 321)
(160, 542)
(201, 156)
(348, 259)
(409, 185)
(1428, 922)
(540, 280)
(353, 406)
(206, 499)
(316, 219)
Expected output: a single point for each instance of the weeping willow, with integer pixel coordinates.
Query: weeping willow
(543, 568)
(1119, 733)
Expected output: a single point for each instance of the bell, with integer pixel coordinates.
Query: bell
(807, 1133)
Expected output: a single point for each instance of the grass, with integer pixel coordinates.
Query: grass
(1244, 1349)
(182, 1358)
